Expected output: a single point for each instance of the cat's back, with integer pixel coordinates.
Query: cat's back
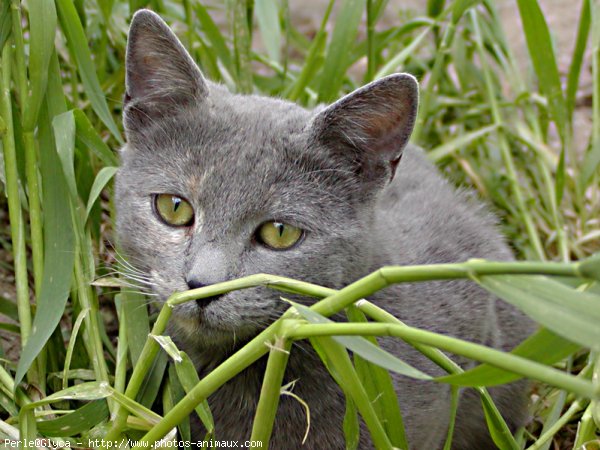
(422, 219)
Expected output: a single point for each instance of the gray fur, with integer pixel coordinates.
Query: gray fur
(243, 160)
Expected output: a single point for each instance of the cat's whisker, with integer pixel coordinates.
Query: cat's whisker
(127, 276)
(133, 284)
(112, 271)
(144, 281)
(125, 291)
(125, 262)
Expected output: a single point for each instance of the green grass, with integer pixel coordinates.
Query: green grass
(489, 123)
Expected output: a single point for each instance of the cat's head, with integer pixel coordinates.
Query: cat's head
(215, 186)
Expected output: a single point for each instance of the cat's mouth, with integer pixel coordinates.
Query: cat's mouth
(224, 318)
(204, 302)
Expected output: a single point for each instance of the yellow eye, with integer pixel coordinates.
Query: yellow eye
(278, 235)
(173, 210)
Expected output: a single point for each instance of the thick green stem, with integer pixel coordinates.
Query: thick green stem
(20, 71)
(387, 276)
(334, 302)
(31, 172)
(270, 391)
(144, 364)
(35, 210)
(210, 383)
(339, 359)
(455, 394)
(435, 355)
(439, 358)
(9, 387)
(477, 352)
(31, 159)
(271, 281)
(87, 300)
(17, 227)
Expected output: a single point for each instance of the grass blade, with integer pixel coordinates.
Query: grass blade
(100, 182)
(435, 7)
(539, 43)
(314, 58)
(454, 145)
(364, 348)
(79, 421)
(17, 227)
(64, 133)
(176, 393)
(392, 65)
(592, 157)
(5, 23)
(544, 346)
(77, 41)
(569, 313)
(454, 397)
(216, 39)
(59, 244)
(135, 311)
(42, 29)
(187, 376)
(378, 384)
(9, 309)
(336, 60)
(583, 31)
(270, 29)
(351, 425)
(71, 346)
(500, 433)
(242, 41)
(349, 382)
(88, 136)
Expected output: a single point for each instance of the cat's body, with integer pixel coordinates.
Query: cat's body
(242, 161)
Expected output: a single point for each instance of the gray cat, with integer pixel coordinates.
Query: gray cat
(215, 186)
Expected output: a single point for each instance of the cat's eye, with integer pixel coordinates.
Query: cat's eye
(173, 210)
(278, 235)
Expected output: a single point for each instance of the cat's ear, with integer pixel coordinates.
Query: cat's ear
(161, 77)
(370, 127)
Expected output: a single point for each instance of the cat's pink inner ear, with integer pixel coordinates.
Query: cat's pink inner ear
(139, 77)
(375, 121)
(389, 129)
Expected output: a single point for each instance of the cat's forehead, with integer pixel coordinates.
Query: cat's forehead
(224, 131)
(246, 152)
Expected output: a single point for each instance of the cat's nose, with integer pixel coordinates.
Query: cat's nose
(194, 283)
